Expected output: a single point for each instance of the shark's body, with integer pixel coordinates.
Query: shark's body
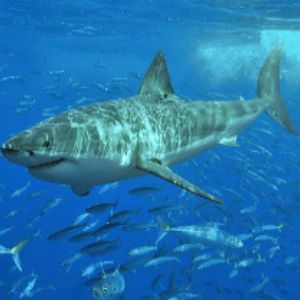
(146, 133)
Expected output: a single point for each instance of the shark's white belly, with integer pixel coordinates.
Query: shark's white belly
(86, 172)
(191, 150)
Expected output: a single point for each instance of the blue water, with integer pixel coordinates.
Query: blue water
(70, 53)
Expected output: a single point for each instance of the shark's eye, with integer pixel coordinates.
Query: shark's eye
(46, 144)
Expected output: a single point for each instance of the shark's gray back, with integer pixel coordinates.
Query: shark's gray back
(153, 125)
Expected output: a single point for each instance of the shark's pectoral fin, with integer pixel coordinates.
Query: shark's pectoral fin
(229, 141)
(80, 190)
(156, 168)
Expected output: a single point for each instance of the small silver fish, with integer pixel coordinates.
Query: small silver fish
(109, 287)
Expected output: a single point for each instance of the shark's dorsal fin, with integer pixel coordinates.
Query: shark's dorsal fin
(157, 79)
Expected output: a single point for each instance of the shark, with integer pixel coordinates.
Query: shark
(143, 134)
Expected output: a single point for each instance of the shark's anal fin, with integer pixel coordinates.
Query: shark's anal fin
(158, 169)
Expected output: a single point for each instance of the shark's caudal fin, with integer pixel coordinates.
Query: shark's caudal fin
(15, 253)
(268, 89)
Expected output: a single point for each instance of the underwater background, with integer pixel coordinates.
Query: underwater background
(56, 55)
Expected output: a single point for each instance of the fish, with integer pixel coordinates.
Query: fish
(204, 234)
(186, 296)
(104, 250)
(61, 233)
(17, 78)
(100, 247)
(121, 215)
(81, 218)
(90, 269)
(258, 287)
(186, 247)
(106, 228)
(109, 287)
(273, 250)
(245, 263)
(16, 286)
(50, 204)
(101, 207)
(165, 208)
(157, 281)
(81, 236)
(145, 190)
(132, 265)
(160, 260)
(6, 230)
(14, 251)
(108, 187)
(11, 214)
(27, 291)
(142, 134)
(212, 262)
(132, 227)
(143, 250)
(21, 190)
(268, 227)
(266, 238)
(67, 263)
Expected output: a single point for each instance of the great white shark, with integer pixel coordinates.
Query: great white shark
(142, 134)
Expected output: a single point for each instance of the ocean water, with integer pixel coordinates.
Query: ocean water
(57, 55)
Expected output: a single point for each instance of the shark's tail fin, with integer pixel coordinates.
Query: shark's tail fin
(15, 254)
(268, 89)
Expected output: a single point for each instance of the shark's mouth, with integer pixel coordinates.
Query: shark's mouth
(48, 164)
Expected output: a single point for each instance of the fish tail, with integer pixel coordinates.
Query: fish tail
(165, 228)
(268, 89)
(163, 225)
(15, 254)
(280, 227)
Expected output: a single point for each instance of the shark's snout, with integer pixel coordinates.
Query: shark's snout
(6, 149)
(16, 155)
(9, 150)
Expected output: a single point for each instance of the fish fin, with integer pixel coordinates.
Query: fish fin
(15, 254)
(17, 261)
(268, 89)
(156, 168)
(280, 227)
(163, 225)
(229, 141)
(80, 190)
(157, 79)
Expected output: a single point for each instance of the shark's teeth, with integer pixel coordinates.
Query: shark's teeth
(47, 164)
